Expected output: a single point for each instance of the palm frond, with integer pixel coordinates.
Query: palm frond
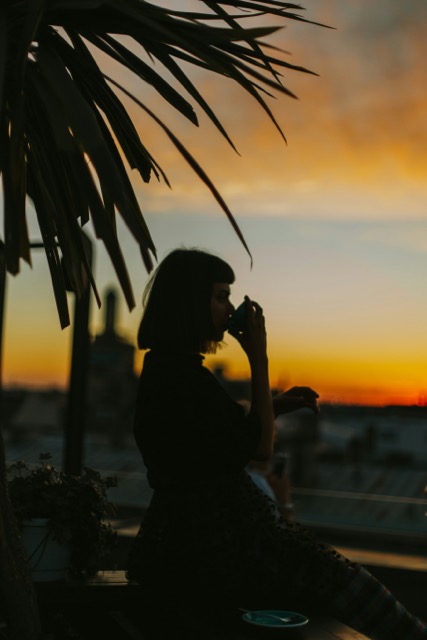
(66, 139)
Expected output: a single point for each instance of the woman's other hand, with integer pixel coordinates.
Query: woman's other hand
(294, 399)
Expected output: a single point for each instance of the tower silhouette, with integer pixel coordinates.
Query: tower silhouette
(112, 380)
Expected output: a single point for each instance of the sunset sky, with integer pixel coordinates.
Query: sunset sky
(336, 220)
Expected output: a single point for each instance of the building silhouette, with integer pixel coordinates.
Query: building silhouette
(112, 382)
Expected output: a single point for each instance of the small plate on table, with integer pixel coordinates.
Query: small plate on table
(266, 618)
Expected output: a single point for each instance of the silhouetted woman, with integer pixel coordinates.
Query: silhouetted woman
(211, 542)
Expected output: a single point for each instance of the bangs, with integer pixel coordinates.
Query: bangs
(223, 273)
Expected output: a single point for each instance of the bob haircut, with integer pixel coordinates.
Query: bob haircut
(176, 301)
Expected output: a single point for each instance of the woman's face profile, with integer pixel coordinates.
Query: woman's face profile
(221, 308)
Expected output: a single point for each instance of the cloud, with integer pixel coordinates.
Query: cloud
(357, 134)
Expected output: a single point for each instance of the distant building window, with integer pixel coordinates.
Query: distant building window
(104, 357)
(389, 436)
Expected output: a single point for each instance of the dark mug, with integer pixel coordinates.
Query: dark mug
(237, 320)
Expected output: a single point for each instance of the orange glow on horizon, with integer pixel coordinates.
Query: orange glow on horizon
(45, 366)
(336, 387)
(54, 374)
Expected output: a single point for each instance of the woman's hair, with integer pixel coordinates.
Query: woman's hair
(176, 301)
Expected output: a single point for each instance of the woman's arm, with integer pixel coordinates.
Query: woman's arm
(262, 406)
(253, 340)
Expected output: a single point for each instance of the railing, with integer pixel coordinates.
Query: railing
(365, 520)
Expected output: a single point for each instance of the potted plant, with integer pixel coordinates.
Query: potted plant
(75, 509)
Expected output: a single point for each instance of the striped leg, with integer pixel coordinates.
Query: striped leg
(369, 607)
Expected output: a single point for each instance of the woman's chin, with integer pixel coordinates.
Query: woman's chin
(221, 334)
(218, 337)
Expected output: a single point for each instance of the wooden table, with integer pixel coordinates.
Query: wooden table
(318, 628)
(108, 606)
(325, 628)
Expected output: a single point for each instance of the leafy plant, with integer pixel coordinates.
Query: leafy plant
(77, 508)
(66, 139)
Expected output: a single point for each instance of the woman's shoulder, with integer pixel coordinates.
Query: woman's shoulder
(176, 366)
(167, 359)
(171, 370)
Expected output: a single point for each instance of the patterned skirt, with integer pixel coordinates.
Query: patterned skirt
(222, 545)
